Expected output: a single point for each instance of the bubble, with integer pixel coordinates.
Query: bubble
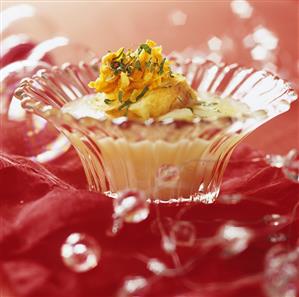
(178, 18)
(156, 266)
(80, 252)
(132, 285)
(281, 273)
(242, 8)
(275, 220)
(183, 233)
(168, 175)
(234, 239)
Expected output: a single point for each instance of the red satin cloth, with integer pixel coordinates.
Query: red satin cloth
(39, 209)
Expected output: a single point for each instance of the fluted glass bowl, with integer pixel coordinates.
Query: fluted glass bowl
(171, 161)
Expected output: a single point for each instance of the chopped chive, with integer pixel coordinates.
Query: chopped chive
(153, 67)
(125, 104)
(138, 65)
(148, 63)
(145, 89)
(108, 101)
(120, 96)
(129, 69)
(161, 70)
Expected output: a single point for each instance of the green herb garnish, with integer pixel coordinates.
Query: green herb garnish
(145, 89)
(125, 104)
(138, 65)
(161, 70)
(144, 47)
(108, 101)
(120, 96)
(148, 63)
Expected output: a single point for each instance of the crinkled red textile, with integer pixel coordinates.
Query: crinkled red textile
(41, 207)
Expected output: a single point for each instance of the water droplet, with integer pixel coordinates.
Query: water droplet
(234, 239)
(242, 8)
(168, 175)
(132, 285)
(156, 266)
(183, 233)
(230, 199)
(275, 160)
(277, 237)
(21, 202)
(281, 272)
(80, 252)
(275, 220)
(131, 206)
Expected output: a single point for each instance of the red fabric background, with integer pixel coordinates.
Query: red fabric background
(38, 211)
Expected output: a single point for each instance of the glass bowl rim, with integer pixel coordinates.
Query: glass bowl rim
(48, 111)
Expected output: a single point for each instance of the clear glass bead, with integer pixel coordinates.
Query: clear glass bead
(275, 160)
(230, 199)
(277, 237)
(291, 166)
(132, 285)
(80, 252)
(281, 272)
(131, 206)
(183, 233)
(156, 266)
(234, 239)
(275, 220)
(168, 244)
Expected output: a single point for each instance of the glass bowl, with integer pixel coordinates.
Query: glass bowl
(171, 161)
